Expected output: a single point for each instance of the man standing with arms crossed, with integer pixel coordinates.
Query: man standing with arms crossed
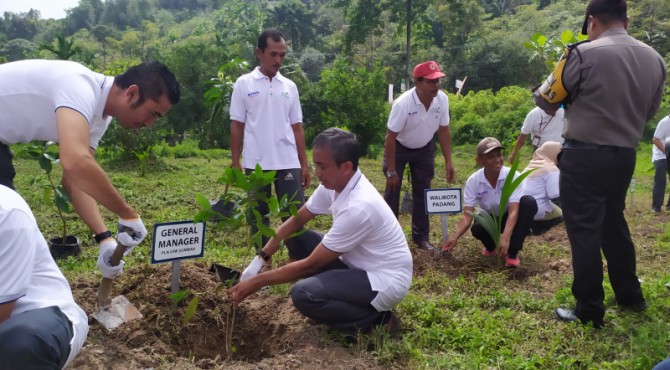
(611, 86)
(415, 116)
(65, 102)
(266, 124)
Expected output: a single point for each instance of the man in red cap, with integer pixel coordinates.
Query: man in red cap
(415, 117)
(610, 86)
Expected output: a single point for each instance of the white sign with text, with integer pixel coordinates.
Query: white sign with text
(177, 241)
(443, 200)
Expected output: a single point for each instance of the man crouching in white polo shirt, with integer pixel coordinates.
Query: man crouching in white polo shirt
(361, 269)
(41, 326)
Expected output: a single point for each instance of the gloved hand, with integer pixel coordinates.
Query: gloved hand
(131, 233)
(104, 260)
(253, 269)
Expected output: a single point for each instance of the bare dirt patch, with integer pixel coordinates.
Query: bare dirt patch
(268, 331)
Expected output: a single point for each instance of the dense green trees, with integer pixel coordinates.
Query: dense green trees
(342, 53)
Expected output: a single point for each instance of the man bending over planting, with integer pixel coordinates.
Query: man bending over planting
(355, 274)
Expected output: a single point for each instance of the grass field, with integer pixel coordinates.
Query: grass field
(465, 312)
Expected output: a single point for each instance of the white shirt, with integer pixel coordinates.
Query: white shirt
(268, 110)
(547, 127)
(28, 273)
(543, 188)
(369, 237)
(478, 191)
(31, 90)
(662, 132)
(414, 124)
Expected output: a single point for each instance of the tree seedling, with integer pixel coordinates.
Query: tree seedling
(53, 191)
(493, 223)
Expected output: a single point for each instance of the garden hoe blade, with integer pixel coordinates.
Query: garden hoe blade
(112, 313)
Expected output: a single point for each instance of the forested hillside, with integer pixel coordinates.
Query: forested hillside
(343, 53)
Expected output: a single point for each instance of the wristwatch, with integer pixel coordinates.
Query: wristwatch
(102, 236)
(390, 174)
(263, 255)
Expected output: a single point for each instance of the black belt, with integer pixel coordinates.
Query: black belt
(576, 144)
(419, 148)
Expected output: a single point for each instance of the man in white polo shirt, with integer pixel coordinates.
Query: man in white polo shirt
(65, 102)
(659, 157)
(266, 124)
(542, 126)
(415, 117)
(41, 326)
(362, 268)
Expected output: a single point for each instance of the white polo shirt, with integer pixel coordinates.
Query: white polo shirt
(31, 90)
(28, 273)
(549, 128)
(268, 109)
(478, 191)
(543, 187)
(414, 124)
(662, 132)
(369, 237)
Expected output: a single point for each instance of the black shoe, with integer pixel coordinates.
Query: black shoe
(425, 245)
(636, 307)
(656, 209)
(570, 316)
(565, 315)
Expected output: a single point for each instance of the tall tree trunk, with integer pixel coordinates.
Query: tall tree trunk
(409, 34)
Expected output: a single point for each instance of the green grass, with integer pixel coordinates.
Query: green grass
(471, 316)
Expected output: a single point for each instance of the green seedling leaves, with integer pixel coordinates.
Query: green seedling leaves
(179, 296)
(45, 164)
(53, 191)
(192, 306)
(191, 309)
(493, 223)
(489, 223)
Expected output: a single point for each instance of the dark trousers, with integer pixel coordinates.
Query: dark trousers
(658, 192)
(7, 171)
(422, 169)
(338, 296)
(287, 182)
(539, 227)
(37, 339)
(593, 185)
(527, 209)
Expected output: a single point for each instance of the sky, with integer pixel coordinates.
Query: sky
(48, 8)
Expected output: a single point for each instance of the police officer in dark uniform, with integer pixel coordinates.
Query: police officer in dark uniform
(611, 86)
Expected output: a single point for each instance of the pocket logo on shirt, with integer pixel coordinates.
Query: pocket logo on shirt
(253, 94)
(412, 114)
(437, 110)
(285, 95)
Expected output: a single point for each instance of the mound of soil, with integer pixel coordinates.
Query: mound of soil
(268, 333)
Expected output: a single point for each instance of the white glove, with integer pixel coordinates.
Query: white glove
(104, 260)
(131, 233)
(253, 268)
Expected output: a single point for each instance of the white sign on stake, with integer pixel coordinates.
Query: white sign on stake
(177, 241)
(443, 200)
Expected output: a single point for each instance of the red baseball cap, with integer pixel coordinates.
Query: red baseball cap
(428, 70)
